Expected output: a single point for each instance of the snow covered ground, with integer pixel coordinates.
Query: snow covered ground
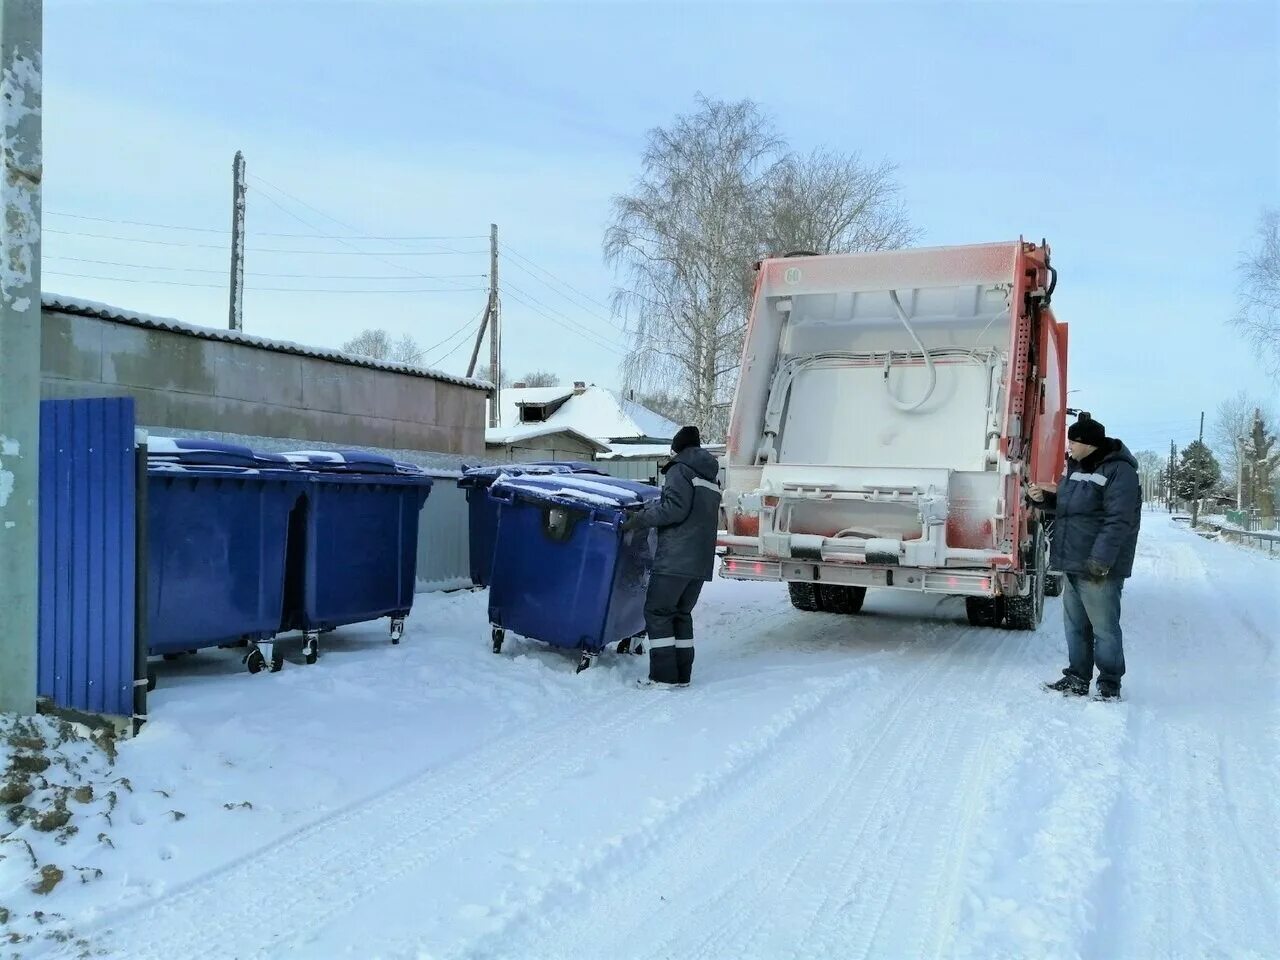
(892, 785)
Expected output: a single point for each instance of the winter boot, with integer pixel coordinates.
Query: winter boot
(684, 665)
(1107, 693)
(662, 665)
(1069, 686)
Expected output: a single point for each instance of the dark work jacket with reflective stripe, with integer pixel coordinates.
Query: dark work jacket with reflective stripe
(687, 516)
(1097, 511)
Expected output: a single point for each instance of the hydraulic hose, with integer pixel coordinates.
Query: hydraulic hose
(928, 362)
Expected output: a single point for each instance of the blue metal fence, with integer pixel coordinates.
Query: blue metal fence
(88, 541)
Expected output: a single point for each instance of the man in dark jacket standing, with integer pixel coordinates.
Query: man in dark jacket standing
(687, 518)
(1097, 510)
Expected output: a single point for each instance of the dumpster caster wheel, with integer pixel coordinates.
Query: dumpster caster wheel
(311, 646)
(498, 636)
(584, 663)
(638, 649)
(255, 661)
(151, 679)
(277, 661)
(624, 646)
(397, 629)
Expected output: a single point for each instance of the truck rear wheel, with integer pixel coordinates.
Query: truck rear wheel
(805, 596)
(984, 611)
(838, 599)
(1025, 613)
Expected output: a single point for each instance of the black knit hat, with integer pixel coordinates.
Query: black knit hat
(686, 437)
(1087, 431)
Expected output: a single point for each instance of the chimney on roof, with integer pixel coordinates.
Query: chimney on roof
(519, 385)
(579, 388)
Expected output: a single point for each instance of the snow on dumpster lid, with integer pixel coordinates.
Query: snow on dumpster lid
(483, 476)
(571, 487)
(199, 452)
(351, 461)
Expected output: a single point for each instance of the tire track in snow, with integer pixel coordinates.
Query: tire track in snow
(851, 918)
(314, 873)
(610, 867)
(711, 829)
(801, 837)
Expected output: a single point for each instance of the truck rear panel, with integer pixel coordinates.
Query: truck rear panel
(889, 409)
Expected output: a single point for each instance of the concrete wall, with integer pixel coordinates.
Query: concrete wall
(186, 382)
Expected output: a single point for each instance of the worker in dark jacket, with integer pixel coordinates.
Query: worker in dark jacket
(1097, 510)
(687, 518)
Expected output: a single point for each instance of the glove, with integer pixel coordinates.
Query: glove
(631, 523)
(1096, 570)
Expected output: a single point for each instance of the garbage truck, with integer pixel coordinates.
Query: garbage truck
(891, 409)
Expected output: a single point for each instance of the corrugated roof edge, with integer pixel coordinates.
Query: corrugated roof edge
(104, 311)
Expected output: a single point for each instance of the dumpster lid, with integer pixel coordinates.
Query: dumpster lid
(601, 491)
(483, 476)
(199, 452)
(351, 461)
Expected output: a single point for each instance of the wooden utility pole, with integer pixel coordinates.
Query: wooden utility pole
(491, 322)
(495, 331)
(21, 66)
(1202, 426)
(1173, 453)
(235, 314)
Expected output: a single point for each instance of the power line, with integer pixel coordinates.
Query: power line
(590, 337)
(526, 297)
(314, 253)
(302, 203)
(565, 283)
(305, 222)
(464, 331)
(587, 310)
(223, 286)
(276, 276)
(293, 236)
(465, 326)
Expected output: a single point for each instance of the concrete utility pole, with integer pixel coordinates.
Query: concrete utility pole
(236, 312)
(491, 322)
(20, 138)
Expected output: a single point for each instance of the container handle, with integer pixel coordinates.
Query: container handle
(502, 494)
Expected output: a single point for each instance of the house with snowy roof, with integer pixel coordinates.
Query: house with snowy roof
(582, 422)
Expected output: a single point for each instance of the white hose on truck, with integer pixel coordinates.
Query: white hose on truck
(928, 363)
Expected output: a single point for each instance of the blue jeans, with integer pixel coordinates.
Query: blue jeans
(1091, 615)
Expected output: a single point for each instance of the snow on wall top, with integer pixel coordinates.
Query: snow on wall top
(103, 311)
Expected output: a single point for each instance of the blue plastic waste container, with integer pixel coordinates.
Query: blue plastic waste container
(563, 570)
(482, 512)
(217, 522)
(353, 542)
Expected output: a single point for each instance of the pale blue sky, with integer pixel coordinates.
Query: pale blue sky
(1141, 140)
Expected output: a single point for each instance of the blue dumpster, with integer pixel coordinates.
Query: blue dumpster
(353, 543)
(563, 570)
(482, 512)
(217, 522)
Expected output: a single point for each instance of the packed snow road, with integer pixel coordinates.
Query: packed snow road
(892, 785)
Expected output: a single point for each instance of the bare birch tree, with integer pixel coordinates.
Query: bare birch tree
(834, 203)
(718, 191)
(1259, 315)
